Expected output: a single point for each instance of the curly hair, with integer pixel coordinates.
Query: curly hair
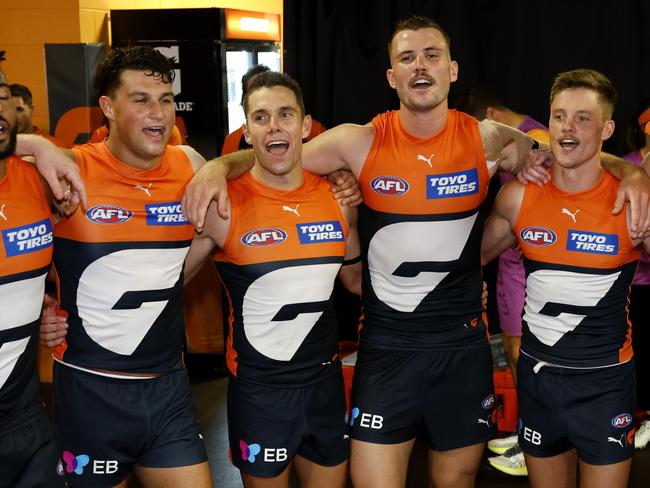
(139, 58)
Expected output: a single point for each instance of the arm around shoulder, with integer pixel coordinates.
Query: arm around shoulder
(505, 144)
(498, 234)
(345, 146)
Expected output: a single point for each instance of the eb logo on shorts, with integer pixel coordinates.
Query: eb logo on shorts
(450, 185)
(169, 213)
(28, 238)
(315, 232)
(249, 452)
(592, 242)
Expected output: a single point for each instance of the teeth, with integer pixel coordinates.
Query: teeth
(276, 143)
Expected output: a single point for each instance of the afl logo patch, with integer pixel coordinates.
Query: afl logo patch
(389, 185)
(538, 236)
(264, 237)
(108, 214)
(622, 420)
(488, 402)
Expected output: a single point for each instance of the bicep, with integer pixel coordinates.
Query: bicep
(343, 147)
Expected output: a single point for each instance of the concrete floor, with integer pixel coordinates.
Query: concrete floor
(210, 398)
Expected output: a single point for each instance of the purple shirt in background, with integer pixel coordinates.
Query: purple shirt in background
(642, 276)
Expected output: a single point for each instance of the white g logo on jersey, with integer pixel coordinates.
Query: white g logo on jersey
(20, 302)
(278, 291)
(105, 281)
(552, 286)
(397, 245)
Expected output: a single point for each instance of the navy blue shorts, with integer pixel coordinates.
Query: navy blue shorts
(28, 455)
(269, 426)
(105, 426)
(448, 393)
(589, 410)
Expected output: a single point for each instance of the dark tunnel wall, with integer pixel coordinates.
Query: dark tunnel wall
(337, 50)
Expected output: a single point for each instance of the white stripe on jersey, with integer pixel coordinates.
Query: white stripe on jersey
(9, 354)
(280, 340)
(557, 286)
(413, 242)
(104, 282)
(21, 301)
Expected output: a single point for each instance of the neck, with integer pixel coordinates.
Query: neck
(128, 157)
(286, 182)
(424, 124)
(576, 180)
(3, 168)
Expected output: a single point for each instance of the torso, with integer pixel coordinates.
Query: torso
(120, 265)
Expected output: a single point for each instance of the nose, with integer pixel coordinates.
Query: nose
(274, 123)
(567, 125)
(420, 62)
(156, 110)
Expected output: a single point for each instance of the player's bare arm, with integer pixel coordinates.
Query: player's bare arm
(498, 234)
(350, 274)
(204, 243)
(345, 146)
(505, 147)
(54, 164)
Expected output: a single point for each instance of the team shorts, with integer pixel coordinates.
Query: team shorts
(105, 426)
(449, 393)
(589, 410)
(269, 426)
(28, 455)
(511, 289)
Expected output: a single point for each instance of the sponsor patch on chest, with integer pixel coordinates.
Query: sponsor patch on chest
(391, 186)
(451, 185)
(592, 242)
(538, 236)
(315, 232)
(268, 236)
(169, 213)
(28, 238)
(108, 214)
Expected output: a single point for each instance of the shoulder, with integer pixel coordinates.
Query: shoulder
(196, 160)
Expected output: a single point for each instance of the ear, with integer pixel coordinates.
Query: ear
(306, 126)
(247, 135)
(453, 69)
(390, 77)
(608, 130)
(106, 105)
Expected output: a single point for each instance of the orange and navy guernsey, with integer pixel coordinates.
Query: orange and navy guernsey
(579, 262)
(120, 265)
(26, 253)
(420, 229)
(278, 264)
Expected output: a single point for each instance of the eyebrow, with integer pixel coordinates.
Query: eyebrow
(145, 94)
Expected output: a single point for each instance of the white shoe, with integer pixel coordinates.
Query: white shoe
(510, 462)
(642, 435)
(502, 444)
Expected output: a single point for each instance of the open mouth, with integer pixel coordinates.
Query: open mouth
(4, 130)
(421, 83)
(277, 148)
(568, 143)
(156, 132)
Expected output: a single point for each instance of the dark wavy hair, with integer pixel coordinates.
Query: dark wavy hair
(139, 58)
(269, 79)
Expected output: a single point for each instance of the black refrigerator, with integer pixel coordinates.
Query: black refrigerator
(209, 63)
